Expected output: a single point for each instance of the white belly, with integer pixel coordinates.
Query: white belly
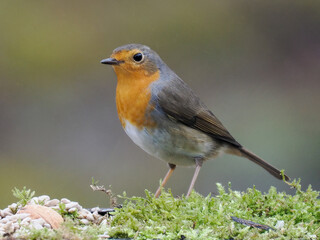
(172, 144)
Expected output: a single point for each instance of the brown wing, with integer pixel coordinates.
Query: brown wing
(179, 102)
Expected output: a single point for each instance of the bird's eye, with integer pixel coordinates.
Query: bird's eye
(138, 57)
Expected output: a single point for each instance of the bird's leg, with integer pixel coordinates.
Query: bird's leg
(166, 178)
(199, 162)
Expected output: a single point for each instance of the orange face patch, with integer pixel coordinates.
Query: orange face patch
(133, 91)
(126, 56)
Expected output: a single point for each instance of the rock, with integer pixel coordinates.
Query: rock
(41, 221)
(36, 225)
(96, 215)
(90, 217)
(47, 214)
(72, 205)
(6, 212)
(95, 209)
(52, 203)
(72, 210)
(44, 199)
(26, 221)
(65, 200)
(85, 221)
(8, 228)
(84, 213)
(47, 225)
(13, 207)
(3, 221)
(34, 201)
(55, 207)
(15, 226)
(14, 218)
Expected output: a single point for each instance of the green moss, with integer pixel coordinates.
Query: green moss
(199, 217)
(202, 217)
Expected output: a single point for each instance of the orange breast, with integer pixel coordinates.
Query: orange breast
(133, 98)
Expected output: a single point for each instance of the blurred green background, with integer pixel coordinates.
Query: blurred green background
(255, 64)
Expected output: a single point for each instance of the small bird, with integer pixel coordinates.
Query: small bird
(164, 117)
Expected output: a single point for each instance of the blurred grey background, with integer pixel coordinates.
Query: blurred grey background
(255, 64)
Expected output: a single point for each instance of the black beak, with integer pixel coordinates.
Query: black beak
(111, 61)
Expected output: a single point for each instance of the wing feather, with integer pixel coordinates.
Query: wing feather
(179, 102)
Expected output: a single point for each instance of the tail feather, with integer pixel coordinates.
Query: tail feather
(254, 158)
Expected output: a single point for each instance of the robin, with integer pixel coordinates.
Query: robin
(163, 116)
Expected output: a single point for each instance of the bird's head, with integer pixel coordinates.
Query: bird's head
(134, 59)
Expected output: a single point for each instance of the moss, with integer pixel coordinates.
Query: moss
(199, 217)
(202, 217)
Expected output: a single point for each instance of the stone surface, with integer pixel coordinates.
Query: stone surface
(40, 213)
(47, 214)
